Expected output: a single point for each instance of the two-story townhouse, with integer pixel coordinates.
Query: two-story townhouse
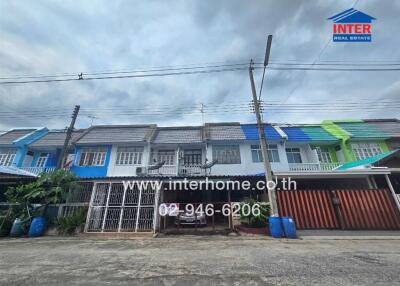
(47, 149)
(14, 146)
(310, 148)
(112, 150)
(180, 150)
(391, 128)
(359, 140)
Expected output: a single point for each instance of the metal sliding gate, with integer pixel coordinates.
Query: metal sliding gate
(340, 209)
(113, 208)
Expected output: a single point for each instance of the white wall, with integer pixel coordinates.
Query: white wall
(114, 170)
(247, 166)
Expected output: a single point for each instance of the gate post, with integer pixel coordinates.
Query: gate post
(90, 206)
(396, 200)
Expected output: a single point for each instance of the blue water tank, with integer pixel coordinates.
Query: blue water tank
(289, 227)
(275, 227)
(38, 227)
(16, 229)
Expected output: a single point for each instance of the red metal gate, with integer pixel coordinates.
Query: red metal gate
(345, 209)
(367, 209)
(309, 208)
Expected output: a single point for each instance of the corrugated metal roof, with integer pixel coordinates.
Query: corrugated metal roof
(55, 139)
(178, 135)
(12, 135)
(362, 130)
(296, 134)
(391, 127)
(367, 161)
(222, 131)
(317, 133)
(15, 171)
(115, 134)
(251, 132)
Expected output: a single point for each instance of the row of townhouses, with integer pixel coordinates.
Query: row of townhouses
(334, 156)
(128, 150)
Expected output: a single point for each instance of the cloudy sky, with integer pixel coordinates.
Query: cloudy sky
(58, 37)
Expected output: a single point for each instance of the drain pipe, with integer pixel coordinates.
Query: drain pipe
(392, 191)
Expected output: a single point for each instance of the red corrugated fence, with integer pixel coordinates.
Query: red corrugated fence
(335, 209)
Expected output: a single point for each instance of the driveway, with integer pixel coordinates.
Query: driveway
(214, 260)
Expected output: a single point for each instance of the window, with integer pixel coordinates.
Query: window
(192, 157)
(41, 162)
(167, 156)
(272, 150)
(365, 150)
(229, 154)
(93, 156)
(7, 157)
(293, 155)
(323, 155)
(129, 155)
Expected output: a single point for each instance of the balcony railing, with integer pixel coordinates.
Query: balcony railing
(310, 167)
(38, 170)
(169, 170)
(182, 170)
(191, 170)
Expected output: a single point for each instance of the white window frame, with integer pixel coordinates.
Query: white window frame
(192, 157)
(273, 153)
(168, 156)
(7, 157)
(92, 156)
(129, 156)
(227, 154)
(290, 151)
(365, 150)
(324, 156)
(42, 159)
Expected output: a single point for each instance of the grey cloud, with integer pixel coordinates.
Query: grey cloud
(51, 37)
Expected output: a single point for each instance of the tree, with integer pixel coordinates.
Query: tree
(50, 188)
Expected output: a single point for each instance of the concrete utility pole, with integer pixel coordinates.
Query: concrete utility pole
(261, 131)
(61, 159)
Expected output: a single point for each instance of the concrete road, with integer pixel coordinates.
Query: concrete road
(199, 261)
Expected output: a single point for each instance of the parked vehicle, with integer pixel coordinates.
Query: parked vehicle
(191, 219)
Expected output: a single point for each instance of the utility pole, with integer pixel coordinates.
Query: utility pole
(261, 131)
(61, 159)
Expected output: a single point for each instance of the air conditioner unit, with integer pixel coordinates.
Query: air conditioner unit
(139, 171)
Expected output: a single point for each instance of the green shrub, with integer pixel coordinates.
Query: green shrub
(253, 219)
(67, 225)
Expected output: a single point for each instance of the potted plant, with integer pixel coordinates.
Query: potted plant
(254, 216)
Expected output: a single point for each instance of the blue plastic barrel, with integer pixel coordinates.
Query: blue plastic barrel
(37, 227)
(275, 227)
(289, 227)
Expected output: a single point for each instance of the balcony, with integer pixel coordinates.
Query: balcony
(38, 170)
(169, 170)
(182, 170)
(312, 167)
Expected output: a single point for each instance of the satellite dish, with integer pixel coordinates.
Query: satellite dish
(156, 166)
